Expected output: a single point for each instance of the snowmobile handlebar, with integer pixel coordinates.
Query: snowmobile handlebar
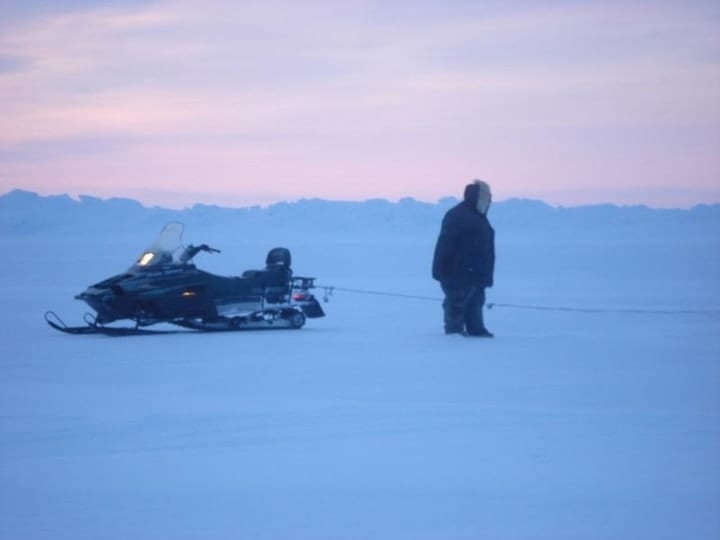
(205, 247)
(191, 251)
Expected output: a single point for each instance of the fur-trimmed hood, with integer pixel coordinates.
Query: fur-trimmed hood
(478, 196)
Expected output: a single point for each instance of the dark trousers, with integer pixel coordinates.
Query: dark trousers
(463, 309)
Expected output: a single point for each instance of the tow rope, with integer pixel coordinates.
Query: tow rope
(491, 305)
(329, 290)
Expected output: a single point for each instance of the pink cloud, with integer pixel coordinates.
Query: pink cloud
(271, 100)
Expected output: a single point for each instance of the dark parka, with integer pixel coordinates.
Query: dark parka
(465, 249)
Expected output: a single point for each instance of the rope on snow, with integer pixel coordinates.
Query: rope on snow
(609, 310)
(329, 290)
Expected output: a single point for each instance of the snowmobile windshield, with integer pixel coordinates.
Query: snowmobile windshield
(163, 251)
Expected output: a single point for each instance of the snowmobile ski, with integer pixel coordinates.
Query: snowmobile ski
(58, 324)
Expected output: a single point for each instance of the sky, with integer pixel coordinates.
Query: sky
(229, 102)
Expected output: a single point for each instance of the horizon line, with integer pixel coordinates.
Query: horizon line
(78, 197)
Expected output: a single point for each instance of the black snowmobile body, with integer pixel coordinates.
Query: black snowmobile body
(165, 286)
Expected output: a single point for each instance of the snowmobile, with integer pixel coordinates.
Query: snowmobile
(164, 286)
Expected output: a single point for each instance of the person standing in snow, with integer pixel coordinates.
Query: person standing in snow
(464, 261)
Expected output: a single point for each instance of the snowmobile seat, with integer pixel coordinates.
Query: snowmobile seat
(278, 257)
(276, 276)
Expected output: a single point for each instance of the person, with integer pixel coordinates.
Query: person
(464, 261)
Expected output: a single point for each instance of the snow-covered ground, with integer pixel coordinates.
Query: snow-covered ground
(370, 423)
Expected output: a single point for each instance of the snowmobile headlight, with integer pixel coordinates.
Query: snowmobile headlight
(189, 293)
(145, 259)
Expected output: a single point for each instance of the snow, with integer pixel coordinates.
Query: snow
(369, 423)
